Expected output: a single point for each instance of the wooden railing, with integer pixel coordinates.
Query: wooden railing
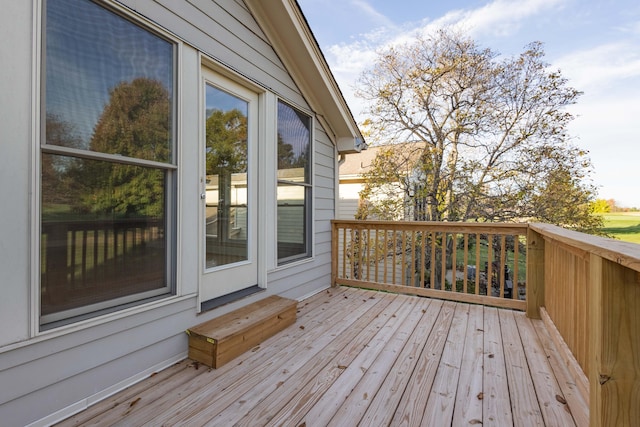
(585, 288)
(469, 262)
(589, 296)
(90, 261)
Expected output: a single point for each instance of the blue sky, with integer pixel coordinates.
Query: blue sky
(595, 43)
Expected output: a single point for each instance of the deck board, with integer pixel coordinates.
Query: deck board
(357, 357)
(524, 403)
(468, 408)
(496, 403)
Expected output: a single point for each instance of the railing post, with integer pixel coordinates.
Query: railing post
(334, 253)
(614, 349)
(535, 273)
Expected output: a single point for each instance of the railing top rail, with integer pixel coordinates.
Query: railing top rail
(458, 227)
(623, 253)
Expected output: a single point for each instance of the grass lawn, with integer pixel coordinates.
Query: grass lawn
(623, 226)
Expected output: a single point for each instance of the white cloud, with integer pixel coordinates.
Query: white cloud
(596, 69)
(372, 13)
(498, 18)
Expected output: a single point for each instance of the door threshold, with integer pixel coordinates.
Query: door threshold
(229, 298)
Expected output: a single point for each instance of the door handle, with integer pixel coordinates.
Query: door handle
(203, 196)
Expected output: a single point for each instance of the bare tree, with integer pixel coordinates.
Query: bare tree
(492, 131)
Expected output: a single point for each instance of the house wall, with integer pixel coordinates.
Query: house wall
(47, 376)
(349, 198)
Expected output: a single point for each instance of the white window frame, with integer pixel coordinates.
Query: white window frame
(131, 304)
(310, 216)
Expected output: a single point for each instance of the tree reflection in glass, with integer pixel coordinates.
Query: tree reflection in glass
(107, 170)
(226, 146)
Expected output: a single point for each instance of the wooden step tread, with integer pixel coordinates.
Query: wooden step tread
(219, 340)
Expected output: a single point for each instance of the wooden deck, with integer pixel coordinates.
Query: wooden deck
(357, 357)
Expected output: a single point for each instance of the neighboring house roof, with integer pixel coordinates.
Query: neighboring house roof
(355, 165)
(285, 25)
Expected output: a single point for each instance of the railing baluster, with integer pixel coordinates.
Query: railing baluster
(454, 266)
(344, 252)
(377, 256)
(432, 282)
(490, 264)
(515, 293)
(352, 254)
(411, 270)
(502, 267)
(434, 271)
(365, 252)
(395, 250)
(386, 249)
(466, 263)
(403, 258)
(478, 243)
(443, 264)
(84, 258)
(422, 257)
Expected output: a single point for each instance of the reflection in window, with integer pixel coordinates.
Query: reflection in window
(103, 228)
(226, 147)
(101, 70)
(105, 220)
(294, 184)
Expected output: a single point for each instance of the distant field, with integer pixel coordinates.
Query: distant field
(623, 226)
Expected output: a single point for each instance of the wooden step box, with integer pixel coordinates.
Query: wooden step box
(222, 339)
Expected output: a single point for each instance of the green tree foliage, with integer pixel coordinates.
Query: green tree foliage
(135, 123)
(58, 186)
(226, 146)
(492, 133)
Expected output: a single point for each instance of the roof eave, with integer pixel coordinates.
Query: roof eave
(285, 25)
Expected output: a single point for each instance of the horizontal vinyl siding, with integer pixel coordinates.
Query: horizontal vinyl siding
(15, 128)
(53, 374)
(70, 368)
(224, 37)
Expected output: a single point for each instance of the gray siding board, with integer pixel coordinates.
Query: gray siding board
(15, 87)
(324, 193)
(323, 227)
(228, 46)
(324, 181)
(46, 401)
(239, 10)
(60, 364)
(323, 238)
(208, 12)
(324, 171)
(321, 266)
(324, 214)
(53, 373)
(325, 149)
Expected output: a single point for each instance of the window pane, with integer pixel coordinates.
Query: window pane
(109, 88)
(103, 232)
(292, 221)
(109, 83)
(294, 141)
(226, 149)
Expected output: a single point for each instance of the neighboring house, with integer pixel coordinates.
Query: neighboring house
(354, 166)
(164, 162)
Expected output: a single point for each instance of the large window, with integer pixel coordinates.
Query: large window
(107, 186)
(294, 184)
